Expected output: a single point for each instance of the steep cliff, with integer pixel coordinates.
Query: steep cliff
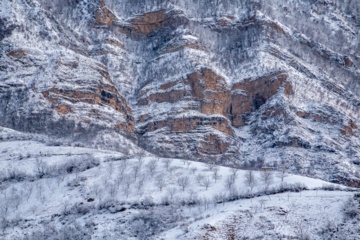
(243, 82)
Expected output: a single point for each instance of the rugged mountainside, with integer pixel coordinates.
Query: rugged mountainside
(240, 82)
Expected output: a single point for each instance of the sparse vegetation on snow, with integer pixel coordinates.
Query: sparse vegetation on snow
(73, 192)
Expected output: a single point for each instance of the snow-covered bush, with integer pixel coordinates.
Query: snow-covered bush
(330, 187)
(81, 208)
(145, 225)
(76, 182)
(13, 174)
(111, 205)
(295, 187)
(79, 164)
(72, 230)
(351, 209)
(4, 223)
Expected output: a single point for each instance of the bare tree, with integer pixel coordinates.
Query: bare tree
(64, 204)
(199, 178)
(119, 178)
(210, 166)
(234, 172)
(126, 187)
(172, 169)
(214, 200)
(206, 183)
(97, 190)
(110, 168)
(4, 206)
(193, 197)
(104, 181)
(140, 185)
(167, 163)
(151, 166)
(210, 162)
(172, 192)
(4, 223)
(3, 175)
(216, 175)
(267, 178)
(28, 187)
(262, 202)
(41, 168)
(282, 171)
(60, 179)
(205, 202)
(123, 166)
(33, 208)
(250, 180)
(183, 182)
(140, 162)
(43, 199)
(113, 190)
(40, 189)
(141, 154)
(49, 183)
(136, 169)
(15, 197)
(230, 182)
(160, 182)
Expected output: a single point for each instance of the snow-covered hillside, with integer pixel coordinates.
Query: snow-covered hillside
(227, 81)
(67, 192)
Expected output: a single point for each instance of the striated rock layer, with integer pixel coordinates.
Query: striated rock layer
(239, 82)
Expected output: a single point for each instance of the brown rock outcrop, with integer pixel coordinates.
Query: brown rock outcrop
(210, 90)
(114, 42)
(348, 62)
(170, 96)
(101, 92)
(249, 95)
(213, 95)
(64, 109)
(149, 22)
(189, 124)
(215, 98)
(213, 145)
(349, 182)
(180, 47)
(272, 112)
(273, 25)
(321, 117)
(104, 16)
(18, 53)
(349, 129)
(70, 64)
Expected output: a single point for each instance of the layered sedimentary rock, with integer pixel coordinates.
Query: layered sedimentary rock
(49, 82)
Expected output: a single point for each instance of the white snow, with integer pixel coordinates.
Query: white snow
(64, 193)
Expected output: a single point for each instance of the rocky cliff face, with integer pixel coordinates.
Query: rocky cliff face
(240, 81)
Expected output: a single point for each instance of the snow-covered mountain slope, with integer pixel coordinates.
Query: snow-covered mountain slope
(67, 192)
(242, 83)
(305, 215)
